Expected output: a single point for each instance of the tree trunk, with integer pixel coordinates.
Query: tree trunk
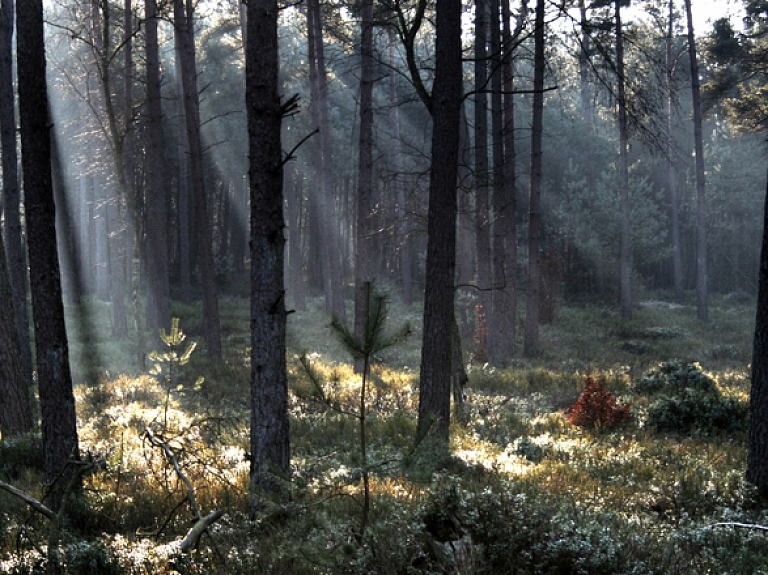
(702, 307)
(57, 402)
(677, 259)
(329, 239)
(182, 148)
(159, 310)
(402, 228)
(445, 106)
(506, 216)
(185, 30)
(757, 454)
(624, 257)
(533, 281)
(499, 336)
(15, 407)
(482, 220)
(364, 274)
(269, 389)
(17, 262)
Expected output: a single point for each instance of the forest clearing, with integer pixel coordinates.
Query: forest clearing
(521, 489)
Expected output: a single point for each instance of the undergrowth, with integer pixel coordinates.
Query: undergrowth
(522, 490)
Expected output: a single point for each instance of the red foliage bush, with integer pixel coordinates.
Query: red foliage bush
(596, 408)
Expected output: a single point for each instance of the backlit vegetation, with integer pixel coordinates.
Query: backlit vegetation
(522, 490)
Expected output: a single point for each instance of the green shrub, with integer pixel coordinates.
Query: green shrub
(674, 377)
(17, 453)
(696, 409)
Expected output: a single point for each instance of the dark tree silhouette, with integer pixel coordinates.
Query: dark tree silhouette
(269, 388)
(57, 402)
(17, 262)
(445, 106)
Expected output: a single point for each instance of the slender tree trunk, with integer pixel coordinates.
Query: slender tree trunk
(624, 257)
(15, 407)
(182, 147)
(57, 402)
(402, 228)
(331, 253)
(702, 307)
(533, 281)
(17, 262)
(482, 209)
(589, 125)
(363, 269)
(506, 216)
(211, 326)
(269, 389)
(672, 121)
(445, 107)
(159, 315)
(498, 336)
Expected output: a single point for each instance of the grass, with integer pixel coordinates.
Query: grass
(521, 490)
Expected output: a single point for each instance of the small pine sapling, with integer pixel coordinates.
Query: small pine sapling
(174, 358)
(364, 350)
(597, 408)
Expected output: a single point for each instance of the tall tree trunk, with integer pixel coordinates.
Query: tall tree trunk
(364, 274)
(482, 209)
(497, 315)
(182, 148)
(15, 406)
(329, 237)
(57, 402)
(507, 217)
(269, 389)
(445, 107)
(17, 262)
(624, 256)
(589, 125)
(533, 281)
(401, 226)
(702, 307)
(757, 454)
(672, 120)
(185, 29)
(159, 314)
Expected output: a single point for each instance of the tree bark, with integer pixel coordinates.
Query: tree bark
(269, 391)
(15, 407)
(533, 281)
(482, 220)
(499, 336)
(624, 256)
(57, 402)
(445, 106)
(672, 120)
(184, 27)
(402, 242)
(182, 147)
(329, 237)
(702, 305)
(17, 262)
(363, 266)
(158, 308)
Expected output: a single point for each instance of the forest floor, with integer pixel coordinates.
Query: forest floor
(521, 489)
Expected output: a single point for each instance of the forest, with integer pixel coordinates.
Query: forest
(383, 287)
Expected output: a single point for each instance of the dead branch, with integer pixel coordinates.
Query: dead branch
(31, 501)
(741, 525)
(157, 442)
(193, 535)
